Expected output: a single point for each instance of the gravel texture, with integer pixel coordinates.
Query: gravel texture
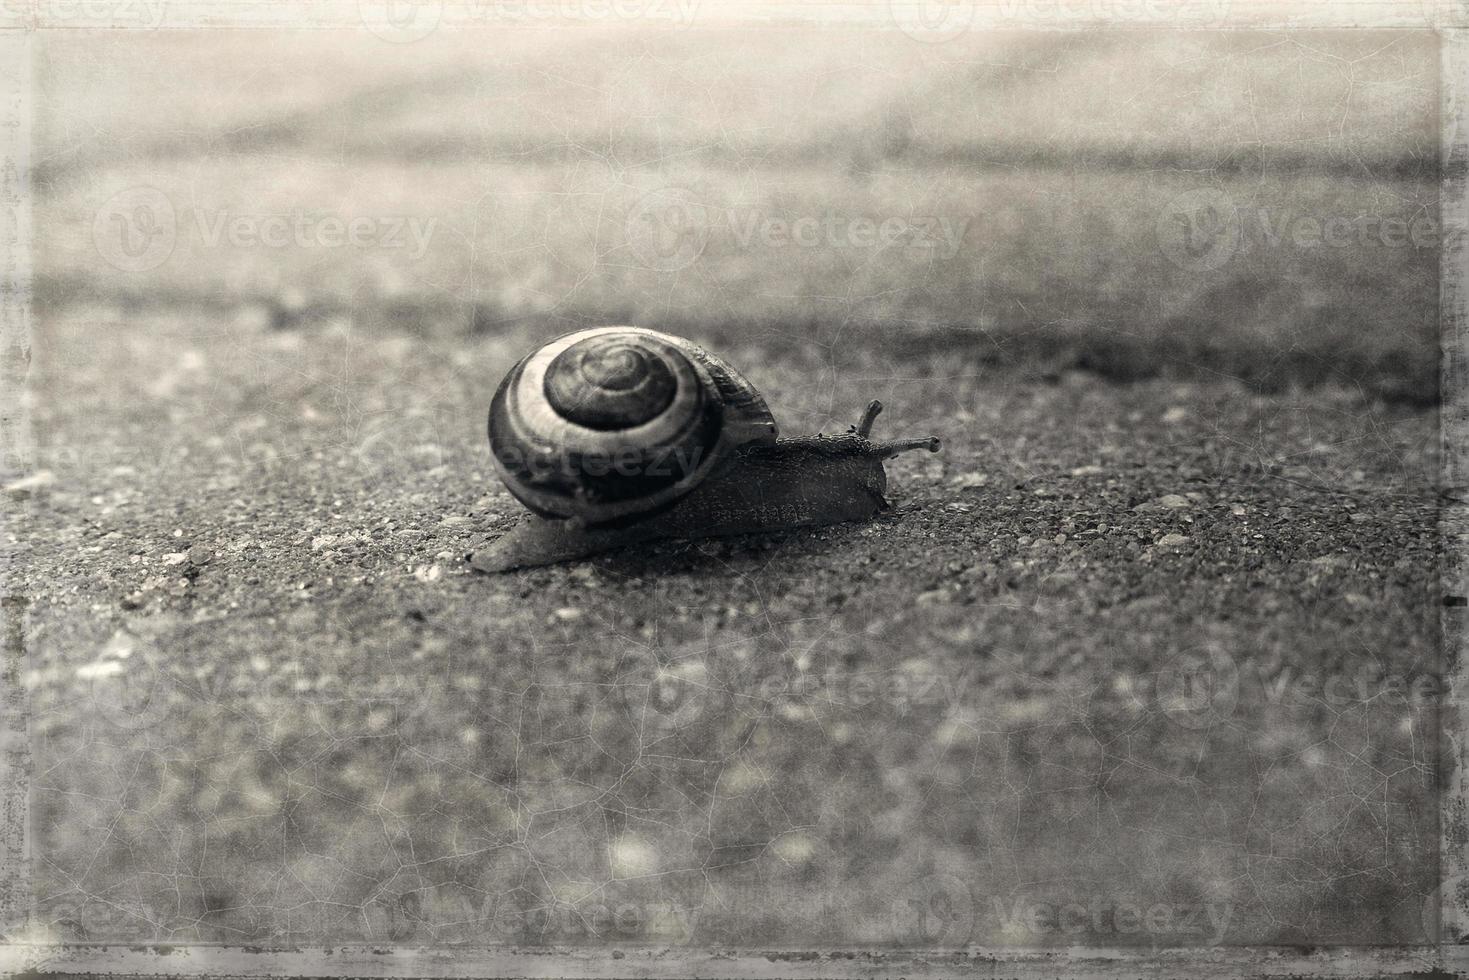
(273, 701)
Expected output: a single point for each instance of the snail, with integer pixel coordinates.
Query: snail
(619, 435)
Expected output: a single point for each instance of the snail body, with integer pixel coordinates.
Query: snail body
(621, 435)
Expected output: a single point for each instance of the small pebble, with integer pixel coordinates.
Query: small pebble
(1175, 501)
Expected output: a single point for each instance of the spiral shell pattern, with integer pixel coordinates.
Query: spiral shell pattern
(615, 423)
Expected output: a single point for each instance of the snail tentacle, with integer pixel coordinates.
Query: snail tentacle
(874, 409)
(887, 450)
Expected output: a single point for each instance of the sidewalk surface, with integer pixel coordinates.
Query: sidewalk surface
(1148, 653)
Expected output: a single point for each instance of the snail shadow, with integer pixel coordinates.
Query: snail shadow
(714, 555)
(742, 554)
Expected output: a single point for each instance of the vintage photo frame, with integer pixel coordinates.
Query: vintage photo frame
(26, 953)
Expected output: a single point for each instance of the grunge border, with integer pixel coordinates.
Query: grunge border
(15, 459)
(24, 952)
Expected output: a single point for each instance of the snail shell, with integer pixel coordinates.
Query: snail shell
(615, 424)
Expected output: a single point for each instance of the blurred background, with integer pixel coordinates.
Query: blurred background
(1169, 295)
(1129, 202)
